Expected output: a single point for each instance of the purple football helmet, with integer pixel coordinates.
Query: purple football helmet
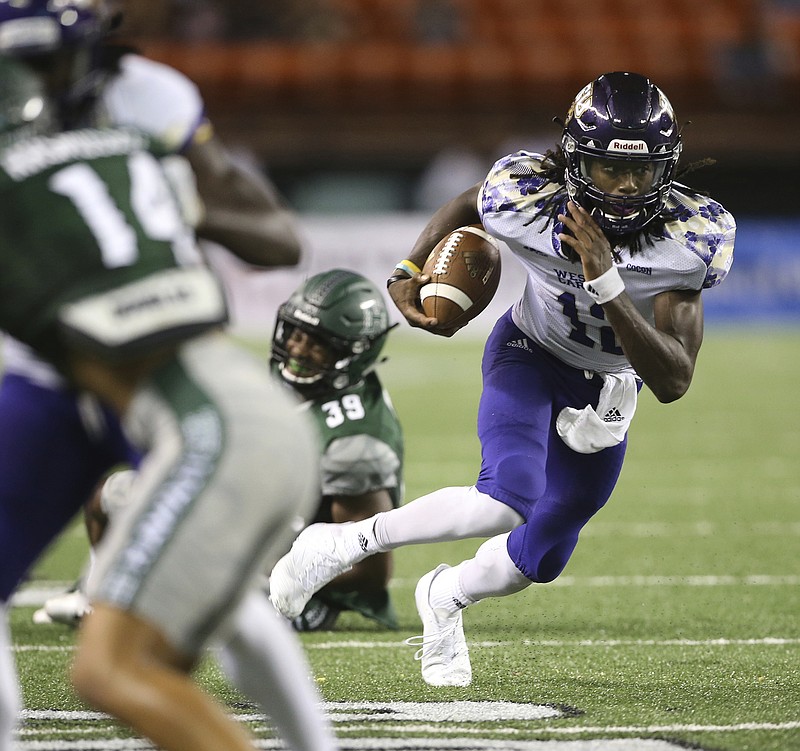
(35, 27)
(59, 39)
(625, 117)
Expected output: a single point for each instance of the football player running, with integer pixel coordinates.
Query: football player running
(327, 340)
(111, 291)
(616, 255)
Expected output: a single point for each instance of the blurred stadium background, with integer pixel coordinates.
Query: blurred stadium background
(368, 114)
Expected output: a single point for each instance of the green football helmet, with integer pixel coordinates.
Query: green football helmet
(24, 109)
(347, 314)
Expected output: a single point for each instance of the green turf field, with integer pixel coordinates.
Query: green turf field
(676, 623)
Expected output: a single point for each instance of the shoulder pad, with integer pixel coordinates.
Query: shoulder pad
(516, 183)
(706, 228)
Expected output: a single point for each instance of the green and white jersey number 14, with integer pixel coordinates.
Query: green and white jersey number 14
(151, 203)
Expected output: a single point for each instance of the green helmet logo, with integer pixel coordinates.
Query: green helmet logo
(347, 314)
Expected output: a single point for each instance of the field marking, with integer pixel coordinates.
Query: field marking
(375, 712)
(592, 729)
(438, 719)
(689, 580)
(689, 529)
(386, 744)
(448, 711)
(767, 641)
(35, 595)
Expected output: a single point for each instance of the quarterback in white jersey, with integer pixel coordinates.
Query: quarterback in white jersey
(693, 250)
(616, 256)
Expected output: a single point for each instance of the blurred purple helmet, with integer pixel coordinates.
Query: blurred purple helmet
(36, 27)
(60, 39)
(621, 116)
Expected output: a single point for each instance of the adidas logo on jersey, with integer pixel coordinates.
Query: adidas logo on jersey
(613, 415)
(363, 542)
(519, 344)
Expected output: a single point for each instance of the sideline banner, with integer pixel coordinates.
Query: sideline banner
(762, 288)
(764, 282)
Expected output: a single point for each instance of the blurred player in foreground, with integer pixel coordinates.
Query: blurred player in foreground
(93, 82)
(102, 278)
(327, 340)
(616, 255)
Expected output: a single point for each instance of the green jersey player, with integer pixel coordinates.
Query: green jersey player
(100, 275)
(93, 208)
(327, 340)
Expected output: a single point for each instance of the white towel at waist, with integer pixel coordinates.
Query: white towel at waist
(589, 430)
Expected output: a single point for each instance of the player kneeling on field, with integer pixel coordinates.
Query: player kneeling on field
(326, 343)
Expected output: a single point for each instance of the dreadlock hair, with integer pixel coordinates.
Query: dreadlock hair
(553, 169)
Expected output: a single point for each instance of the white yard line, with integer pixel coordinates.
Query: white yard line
(34, 595)
(768, 641)
(380, 718)
(386, 744)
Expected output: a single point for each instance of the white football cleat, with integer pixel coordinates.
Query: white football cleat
(317, 557)
(443, 648)
(69, 609)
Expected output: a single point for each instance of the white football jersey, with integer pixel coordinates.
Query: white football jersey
(153, 98)
(519, 207)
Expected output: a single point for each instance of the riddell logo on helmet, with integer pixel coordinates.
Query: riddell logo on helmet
(628, 147)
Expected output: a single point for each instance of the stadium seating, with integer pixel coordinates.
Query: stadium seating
(413, 76)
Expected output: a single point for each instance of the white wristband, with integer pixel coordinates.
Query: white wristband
(606, 287)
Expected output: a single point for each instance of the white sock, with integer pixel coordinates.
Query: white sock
(359, 539)
(491, 573)
(263, 659)
(446, 592)
(9, 692)
(448, 514)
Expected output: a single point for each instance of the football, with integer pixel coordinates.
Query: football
(464, 268)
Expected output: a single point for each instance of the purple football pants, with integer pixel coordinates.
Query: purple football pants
(525, 464)
(49, 466)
